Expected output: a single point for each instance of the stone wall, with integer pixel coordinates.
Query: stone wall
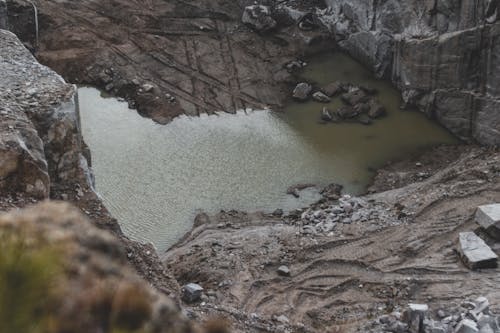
(444, 55)
(40, 138)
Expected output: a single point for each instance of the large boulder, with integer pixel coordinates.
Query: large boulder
(259, 18)
(474, 251)
(488, 217)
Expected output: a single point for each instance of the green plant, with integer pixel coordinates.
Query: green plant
(28, 270)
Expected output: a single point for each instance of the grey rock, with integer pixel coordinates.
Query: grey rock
(334, 89)
(486, 329)
(376, 109)
(466, 326)
(355, 97)
(326, 115)
(346, 112)
(283, 270)
(302, 91)
(191, 292)
(488, 217)
(474, 252)
(259, 18)
(321, 97)
(414, 316)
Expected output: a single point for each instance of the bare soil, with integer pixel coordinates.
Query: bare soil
(168, 57)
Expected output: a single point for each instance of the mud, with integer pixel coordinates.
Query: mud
(168, 57)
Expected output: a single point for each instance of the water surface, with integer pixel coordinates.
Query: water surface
(154, 179)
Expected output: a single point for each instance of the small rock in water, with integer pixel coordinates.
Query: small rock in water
(302, 91)
(320, 97)
(376, 110)
(326, 115)
(283, 271)
(191, 292)
(334, 89)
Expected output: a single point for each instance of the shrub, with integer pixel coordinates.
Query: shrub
(27, 276)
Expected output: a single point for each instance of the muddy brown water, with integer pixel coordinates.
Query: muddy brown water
(155, 179)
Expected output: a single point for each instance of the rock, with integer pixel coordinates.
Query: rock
(481, 306)
(283, 319)
(354, 97)
(368, 90)
(486, 329)
(278, 212)
(326, 115)
(365, 120)
(332, 191)
(362, 108)
(475, 253)
(414, 316)
(259, 18)
(466, 326)
(333, 89)
(283, 271)
(147, 87)
(346, 112)
(309, 22)
(376, 109)
(320, 97)
(302, 91)
(191, 292)
(488, 217)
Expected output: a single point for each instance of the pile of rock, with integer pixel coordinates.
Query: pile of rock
(347, 210)
(359, 103)
(469, 317)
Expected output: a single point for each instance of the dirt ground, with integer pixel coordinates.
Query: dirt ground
(168, 57)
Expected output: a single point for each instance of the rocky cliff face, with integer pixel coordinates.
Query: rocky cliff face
(443, 55)
(40, 141)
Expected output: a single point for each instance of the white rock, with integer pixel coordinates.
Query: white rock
(467, 326)
(475, 253)
(488, 217)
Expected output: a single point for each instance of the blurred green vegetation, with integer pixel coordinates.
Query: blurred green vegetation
(28, 273)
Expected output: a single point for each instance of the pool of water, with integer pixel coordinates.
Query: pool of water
(155, 179)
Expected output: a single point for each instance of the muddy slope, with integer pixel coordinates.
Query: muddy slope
(404, 252)
(169, 57)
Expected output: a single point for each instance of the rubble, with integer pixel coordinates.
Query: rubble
(346, 210)
(417, 318)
